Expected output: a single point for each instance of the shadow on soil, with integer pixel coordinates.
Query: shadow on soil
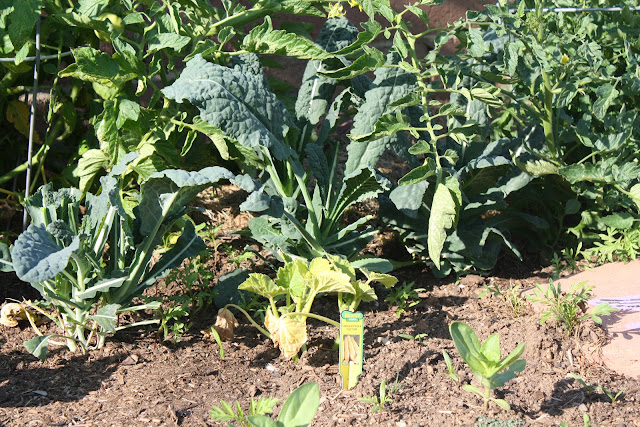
(39, 386)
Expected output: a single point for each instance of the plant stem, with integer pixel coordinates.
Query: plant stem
(314, 316)
(253, 322)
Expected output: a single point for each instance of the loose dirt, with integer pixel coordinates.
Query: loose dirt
(138, 380)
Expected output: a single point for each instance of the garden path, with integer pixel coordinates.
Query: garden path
(619, 285)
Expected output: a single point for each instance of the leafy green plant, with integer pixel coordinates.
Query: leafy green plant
(299, 219)
(298, 410)
(89, 270)
(560, 85)
(594, 387)
(404, 297)
(569, 309)
(123, 53)
(615, 244)
(486, 362)
(292, 293)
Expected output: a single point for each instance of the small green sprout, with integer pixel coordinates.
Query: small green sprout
(486, 362)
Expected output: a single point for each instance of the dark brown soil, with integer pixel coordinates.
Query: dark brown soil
(136, 380)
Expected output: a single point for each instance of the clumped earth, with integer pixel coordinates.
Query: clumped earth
(137, 379)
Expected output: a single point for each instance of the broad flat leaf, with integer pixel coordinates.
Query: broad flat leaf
(291, 277)
(593, 173)
(165, 194)
(380, 265)
(330, 281)
(387, 125)
(127, 110)
(264, 39)
(94, 66)
(619, 221)
(409, 198)
(261, 284)
(92, 8)
(491, 348)
(635, 195)
(387, 280)
(106, 317)
(167, 41)
(468, 346)
(90, 165)
(36, 257)
(215, 135)
(370, 60)
(38, 346)
(444, 214)
(301, 406)
(364, 292)
(290, 334)
(390, 84)
(263, 421)
(607, 94)
(512, 358)
(502, 404)
(237, 103)
(117, 279)
(501, 378)
(23, 20)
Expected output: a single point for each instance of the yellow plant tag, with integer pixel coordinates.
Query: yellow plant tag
(351, 353)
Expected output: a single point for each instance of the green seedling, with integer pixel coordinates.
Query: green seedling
(450, 370)
(511, 297)
(416, 338)
(383, 397)
(569, 309)
(216, 337)
(404, 297)
(594, 387)
(491, 370)
(227, 412)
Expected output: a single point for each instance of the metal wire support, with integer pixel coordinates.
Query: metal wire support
(32, 121)
(42, 58)
(578, 9)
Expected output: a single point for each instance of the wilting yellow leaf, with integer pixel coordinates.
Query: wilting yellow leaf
(225, 324)
(290, 335)
(18, 113)
(11, 313)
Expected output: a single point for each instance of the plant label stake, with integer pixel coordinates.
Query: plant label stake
(351, 338)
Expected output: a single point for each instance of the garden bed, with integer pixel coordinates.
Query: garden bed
(138, 380)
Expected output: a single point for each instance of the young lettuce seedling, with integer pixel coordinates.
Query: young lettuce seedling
(486, 362)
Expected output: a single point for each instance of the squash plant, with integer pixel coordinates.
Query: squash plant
(291, 296)
(89, 268)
